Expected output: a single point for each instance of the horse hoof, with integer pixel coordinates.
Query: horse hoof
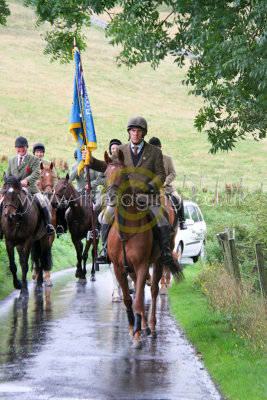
(137, 344)
(154, 334)
(146, 331)
(148, 282)
(116, 299)
(48, 283)
(82, 281)
(92, 278)
(17, 284)
(24, 294)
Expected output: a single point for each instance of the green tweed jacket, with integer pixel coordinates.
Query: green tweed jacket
(29, 169)
(149, 170)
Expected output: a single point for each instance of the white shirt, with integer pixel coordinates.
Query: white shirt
(22, 158)
(139, 146)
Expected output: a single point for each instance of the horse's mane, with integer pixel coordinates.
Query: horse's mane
(13, 181)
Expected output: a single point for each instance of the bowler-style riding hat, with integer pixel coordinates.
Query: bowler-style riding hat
(112, 142)
(21, 142)
(137, 122)
(38, 146)
(75, 154)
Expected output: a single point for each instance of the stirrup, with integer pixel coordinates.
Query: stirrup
(60, 230)
(50, 230)
(167, 258)
(90, 234)
(182, 225)
(103, 258)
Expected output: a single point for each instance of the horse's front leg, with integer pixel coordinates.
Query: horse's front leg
(121, 276)
(24, 253)
(139, 304)
(79, 249)
(12, 265)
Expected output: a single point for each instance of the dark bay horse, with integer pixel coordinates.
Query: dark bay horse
(165, 281)
(131, 248)
(23, 230)
(79, 222)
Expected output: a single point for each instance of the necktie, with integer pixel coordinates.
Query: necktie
(20, 160)
(135, 148)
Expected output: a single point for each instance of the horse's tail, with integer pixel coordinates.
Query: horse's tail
(176, 269)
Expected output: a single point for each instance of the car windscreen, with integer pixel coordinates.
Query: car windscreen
(193, 212)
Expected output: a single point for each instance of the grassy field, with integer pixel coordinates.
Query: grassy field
(36, 96)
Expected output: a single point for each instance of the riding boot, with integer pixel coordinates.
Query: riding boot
(104, 258)
(181, 216)
(45, 214)
(165, 251)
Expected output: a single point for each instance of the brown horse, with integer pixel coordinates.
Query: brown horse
(131, 248)
(79, 222)
(23, 230)
(46, 185)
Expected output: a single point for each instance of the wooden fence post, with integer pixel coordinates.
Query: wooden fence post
(223, 240)
(261, 269)
(184, 181)
(235, 265)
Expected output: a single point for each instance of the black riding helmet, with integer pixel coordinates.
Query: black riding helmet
(155, 141)
(114, 141)
(21, 141)
(38, 146)
(137, 122)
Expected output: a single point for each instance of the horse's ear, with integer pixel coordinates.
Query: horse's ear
(51, 165)
(41, 165)
(67, 177)
(4, 177)
(120, 156)
(107, 158)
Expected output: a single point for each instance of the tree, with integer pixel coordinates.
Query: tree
(225, 40)
(4, 12)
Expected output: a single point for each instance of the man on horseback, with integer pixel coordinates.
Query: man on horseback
(147, 161)
(81, 180)
(170, 175)
(27, 168)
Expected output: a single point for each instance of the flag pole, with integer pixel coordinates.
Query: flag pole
(87, 168)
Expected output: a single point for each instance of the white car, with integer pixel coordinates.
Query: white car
(190, 242)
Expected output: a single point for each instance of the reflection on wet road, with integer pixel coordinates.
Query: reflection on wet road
(72, 343)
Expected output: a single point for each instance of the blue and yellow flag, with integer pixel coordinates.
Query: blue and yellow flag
(81, 119)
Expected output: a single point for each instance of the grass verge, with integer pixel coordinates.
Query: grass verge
(237, 368)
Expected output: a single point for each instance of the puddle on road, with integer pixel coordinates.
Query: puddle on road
(72, 342)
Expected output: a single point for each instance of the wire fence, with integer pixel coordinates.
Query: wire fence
(245, 264)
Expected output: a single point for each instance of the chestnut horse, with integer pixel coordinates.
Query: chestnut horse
(132, 249)
(79, 222)
(23, 230)
(46, 185)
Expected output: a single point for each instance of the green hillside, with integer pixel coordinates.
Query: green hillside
(36, 96)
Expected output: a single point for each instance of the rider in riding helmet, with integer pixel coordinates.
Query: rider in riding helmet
(81, 180)
(170, 176)
(150, 174)
(27, 168)
(38, 150)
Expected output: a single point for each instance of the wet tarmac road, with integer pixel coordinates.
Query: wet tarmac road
(72, 343)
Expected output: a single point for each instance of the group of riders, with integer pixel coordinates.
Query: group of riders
(147, 167)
